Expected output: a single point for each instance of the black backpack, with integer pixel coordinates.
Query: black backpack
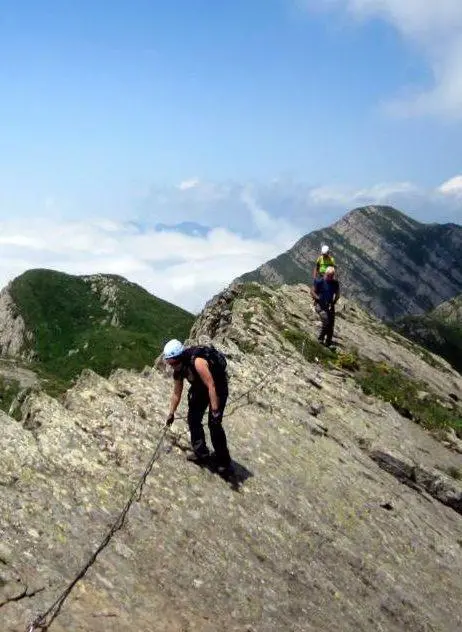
(216, 359)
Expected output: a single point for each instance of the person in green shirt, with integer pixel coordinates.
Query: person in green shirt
(323, 262)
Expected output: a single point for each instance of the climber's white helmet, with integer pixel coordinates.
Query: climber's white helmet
(325, 250)
(173, 349)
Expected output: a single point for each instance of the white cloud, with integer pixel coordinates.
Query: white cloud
(435, 27)
(438, 204)
(189, 184)
(183, 269)
(452, 187)
(377, 194)
(275, 230)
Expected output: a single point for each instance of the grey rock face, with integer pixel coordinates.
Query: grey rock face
(450, 311)
(14, 337)
(322, 534)
(387, 262)
(107, 290)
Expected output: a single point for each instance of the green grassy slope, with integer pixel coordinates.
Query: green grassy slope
(72, 330)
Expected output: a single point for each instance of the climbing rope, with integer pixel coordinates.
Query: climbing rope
(43, 621)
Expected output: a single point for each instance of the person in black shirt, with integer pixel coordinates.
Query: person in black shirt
(326, 292)
(205, 370)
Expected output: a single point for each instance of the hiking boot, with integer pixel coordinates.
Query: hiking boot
(225, 470)
(199, 459)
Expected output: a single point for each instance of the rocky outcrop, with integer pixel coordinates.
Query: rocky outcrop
(387, 262)
(15, 340)
(344, 514)
(450, 311)
(107, 288)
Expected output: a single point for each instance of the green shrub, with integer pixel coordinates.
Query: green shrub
(253, 290)
(347, 360)
(455, 472)
(393, 386)
(310, 348)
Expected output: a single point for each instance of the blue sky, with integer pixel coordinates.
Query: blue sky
(263, 119)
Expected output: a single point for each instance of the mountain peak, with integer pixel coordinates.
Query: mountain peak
(378, 214)
(388, 262)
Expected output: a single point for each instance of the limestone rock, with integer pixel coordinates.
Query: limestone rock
(14, 337)
(316, 535)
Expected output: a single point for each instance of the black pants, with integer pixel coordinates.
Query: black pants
(198, 400)
(327, 316)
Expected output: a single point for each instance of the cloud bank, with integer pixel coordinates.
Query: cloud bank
(186, 269)
(247, 225)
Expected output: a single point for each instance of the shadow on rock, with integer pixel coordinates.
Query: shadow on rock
(235, 476)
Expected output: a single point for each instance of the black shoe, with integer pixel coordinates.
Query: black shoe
(225, 470)
(199, 459)
(229, 474)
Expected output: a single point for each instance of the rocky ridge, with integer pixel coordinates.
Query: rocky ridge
(348, 516)
(387, 262)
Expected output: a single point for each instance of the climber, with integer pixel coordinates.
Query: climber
(322, 262)
(326, 292)
(205, 370)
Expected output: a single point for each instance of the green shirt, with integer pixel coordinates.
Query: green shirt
(323, 262)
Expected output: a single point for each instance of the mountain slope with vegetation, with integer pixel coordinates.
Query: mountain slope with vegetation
(440, 330)
(346, 514)
(387, 262)
(71, 322)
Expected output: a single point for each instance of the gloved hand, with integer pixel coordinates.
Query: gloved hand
(170, 419)
(217, 416)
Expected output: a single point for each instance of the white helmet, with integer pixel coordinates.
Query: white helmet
(325, 250)
(173, 349)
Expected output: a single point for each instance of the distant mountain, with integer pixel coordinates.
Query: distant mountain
(64, 323)
(389, 263)
(440, 330)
